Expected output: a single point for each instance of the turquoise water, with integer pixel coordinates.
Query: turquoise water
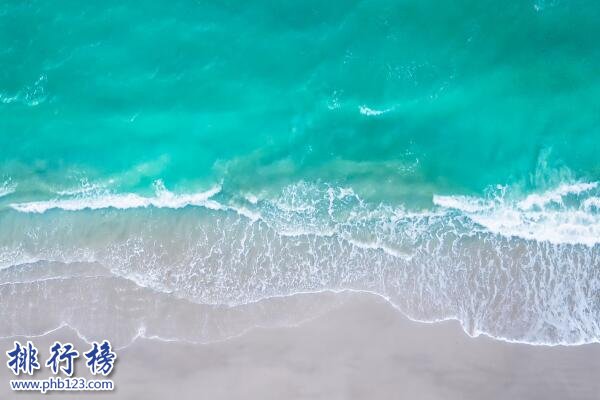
(400, 136)
(261, 95)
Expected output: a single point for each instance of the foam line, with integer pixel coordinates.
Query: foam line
(162, 199)
(545, 216)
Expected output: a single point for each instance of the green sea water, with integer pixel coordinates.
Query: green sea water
(442, 154)
(456, 96)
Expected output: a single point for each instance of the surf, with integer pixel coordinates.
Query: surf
(459, 259)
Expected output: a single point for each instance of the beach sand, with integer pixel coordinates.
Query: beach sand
(361, 349)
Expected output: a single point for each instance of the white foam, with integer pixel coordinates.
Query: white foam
(162, 199)
(7, 187)
(591, 204)
(339, 243)
(85, 188)
(253, 216)
(252, 199)
(556, 227)
(371, 112)
(555, 195)
(540, 216)
(377, 245)
(463, 203)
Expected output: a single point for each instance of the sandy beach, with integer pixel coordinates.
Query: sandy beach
(362, 348)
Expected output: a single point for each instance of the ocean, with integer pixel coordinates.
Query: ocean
(209, 155)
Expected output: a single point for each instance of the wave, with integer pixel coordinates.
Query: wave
(125, 311)
(437, 264)
(162, 199)
(567, 214)
(7, 187)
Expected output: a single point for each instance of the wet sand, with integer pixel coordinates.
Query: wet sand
(362, 349)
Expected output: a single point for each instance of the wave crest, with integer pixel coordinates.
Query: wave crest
(567, 214)
(162, 199)
(433, 265)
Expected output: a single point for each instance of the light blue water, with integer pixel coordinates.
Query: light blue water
(443, 155)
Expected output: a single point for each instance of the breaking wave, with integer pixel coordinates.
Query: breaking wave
(162, 199)
(519, 269)
(569, 213)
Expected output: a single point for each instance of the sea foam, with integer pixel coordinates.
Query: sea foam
(370, 112)
(565, 214)
(7, 187)
(162, 199)
(460, 260)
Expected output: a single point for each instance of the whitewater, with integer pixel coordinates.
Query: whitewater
(517, 269)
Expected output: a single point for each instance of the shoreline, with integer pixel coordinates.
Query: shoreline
(360, 348)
